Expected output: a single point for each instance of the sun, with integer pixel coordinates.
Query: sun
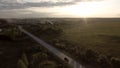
(84, 9)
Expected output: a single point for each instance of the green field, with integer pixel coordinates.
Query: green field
(102, 36)
(95, 43)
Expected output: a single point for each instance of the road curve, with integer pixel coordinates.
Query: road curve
(53, 50)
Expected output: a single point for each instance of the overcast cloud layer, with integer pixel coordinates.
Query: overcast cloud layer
(23, 8)
(18, 4)
(17, 8)
(21, 4)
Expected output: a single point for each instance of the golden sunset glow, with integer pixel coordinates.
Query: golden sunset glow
(84, 9)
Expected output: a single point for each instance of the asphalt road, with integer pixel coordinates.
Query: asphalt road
(53, 50)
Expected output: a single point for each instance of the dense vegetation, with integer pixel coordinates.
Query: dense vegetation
(17, 50)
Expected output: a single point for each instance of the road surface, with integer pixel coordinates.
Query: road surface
(53, 50)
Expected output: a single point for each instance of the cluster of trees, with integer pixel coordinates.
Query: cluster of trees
(11, 34)
(46, 31)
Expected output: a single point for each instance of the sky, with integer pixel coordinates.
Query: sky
(59, 8)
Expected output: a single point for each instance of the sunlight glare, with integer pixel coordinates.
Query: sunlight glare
(84, 9)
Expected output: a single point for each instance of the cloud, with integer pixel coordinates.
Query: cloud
(21, 4)
(21, 8)
(49, 4)
(8, 6)
(23, 14)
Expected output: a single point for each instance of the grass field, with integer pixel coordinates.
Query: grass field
(102, 36)
(94, 43)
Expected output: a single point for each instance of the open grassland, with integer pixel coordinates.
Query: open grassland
(95, 43)
(102, 36)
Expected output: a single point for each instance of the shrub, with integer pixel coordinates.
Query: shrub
(91, 56)
(47, 64)
(25, 60)
(104, 62)
(39, 57)
(21, 64)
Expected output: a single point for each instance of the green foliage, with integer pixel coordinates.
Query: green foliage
(96, 36)
(47, 64)
(12, 32)
(21, 64)
(102, 36)
(39, 57)
(24, 59)
(45, 30)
